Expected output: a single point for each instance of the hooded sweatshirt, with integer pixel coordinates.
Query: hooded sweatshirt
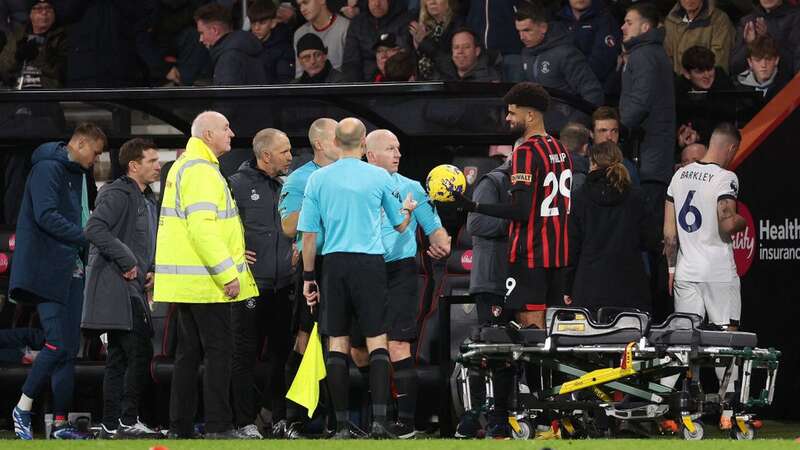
(235, 58)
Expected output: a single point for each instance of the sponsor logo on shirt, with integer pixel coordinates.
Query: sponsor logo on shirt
(521, 178)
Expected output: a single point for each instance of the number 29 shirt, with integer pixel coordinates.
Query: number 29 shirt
(542, 169)
(695, 190)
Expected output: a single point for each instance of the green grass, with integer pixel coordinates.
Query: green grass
(617, 444)
(774, 435)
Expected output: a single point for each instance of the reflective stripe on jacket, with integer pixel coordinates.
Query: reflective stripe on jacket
(200, 245)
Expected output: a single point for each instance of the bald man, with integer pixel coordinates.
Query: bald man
(400, 250)
(347, 200)
(256, 187)
(321, 135)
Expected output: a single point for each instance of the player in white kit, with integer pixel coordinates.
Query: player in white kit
(700, 221)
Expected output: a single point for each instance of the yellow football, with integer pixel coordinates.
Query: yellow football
(443, 180)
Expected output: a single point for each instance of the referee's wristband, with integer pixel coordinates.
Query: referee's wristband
(671, 270)
(309, 275)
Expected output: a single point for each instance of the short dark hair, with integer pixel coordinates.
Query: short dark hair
(259, 10)
(532, 11)
(91, 131)
(469, 31)
(729, 130)
(529, 95)
(214, 12)
(698, 58)
(401, 67)
(604, 113)
(574, 136)
(648, 11)
(763, 46)
(133, 150)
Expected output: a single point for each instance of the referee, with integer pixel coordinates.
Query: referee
(345, 200)
(400, 251)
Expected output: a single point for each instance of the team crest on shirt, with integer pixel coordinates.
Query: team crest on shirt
(254, 195)
(497, 310)
(471, 174)
(521, 178)
(251, 303)
(734, 188)
(545, 67)
(610, 41)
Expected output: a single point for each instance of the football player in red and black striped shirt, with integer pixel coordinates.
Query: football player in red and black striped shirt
(541, 177)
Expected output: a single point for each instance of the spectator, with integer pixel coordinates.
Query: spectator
(764, 73)
(401, 67)
(698, 106)
(382, 16)
(119, 281)
(385, 48)
(12, 13)
(170, 49)
(433, 33)
(101, 40)
(692, 153)
(313, 57)
(35, 55)
(698, 22)
(331, 28)
(575, 138)
(277, 54)
(234, 53)
(608, 229)
(647, 101)
(605, 127)
(552, 60)
(48, 270)
(780, 21)
(468, 62)
(595, 32)
(495, 26)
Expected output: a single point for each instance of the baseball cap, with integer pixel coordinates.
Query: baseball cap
(388, 40)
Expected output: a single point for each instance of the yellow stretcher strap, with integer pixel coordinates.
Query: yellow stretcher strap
(602, 376)
(687, 422)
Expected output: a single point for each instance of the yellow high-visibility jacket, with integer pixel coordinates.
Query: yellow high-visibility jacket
(200, 244)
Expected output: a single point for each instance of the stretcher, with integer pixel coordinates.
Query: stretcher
(599, 377)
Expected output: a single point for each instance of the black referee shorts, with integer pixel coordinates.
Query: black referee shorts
(302, 318)
(533, 289)
(354, 286)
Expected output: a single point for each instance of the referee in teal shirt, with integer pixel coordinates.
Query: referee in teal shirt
(346, 199)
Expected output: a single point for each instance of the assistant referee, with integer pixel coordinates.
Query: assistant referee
(345, 200)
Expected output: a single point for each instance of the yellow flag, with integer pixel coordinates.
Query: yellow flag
(305, 387)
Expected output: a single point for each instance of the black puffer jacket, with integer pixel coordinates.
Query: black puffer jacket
(608, 230)
(257, 195)
(235, 60)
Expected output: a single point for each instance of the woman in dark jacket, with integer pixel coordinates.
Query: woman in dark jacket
(433, 33)
(608, 230)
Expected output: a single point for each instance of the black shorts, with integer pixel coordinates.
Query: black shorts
(354, 286)
(302, 318)
(533, 289)
(401, 283)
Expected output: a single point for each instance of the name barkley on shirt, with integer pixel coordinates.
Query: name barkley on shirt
(697, 176)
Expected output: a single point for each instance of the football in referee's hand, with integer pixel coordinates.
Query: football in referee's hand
(443, 181)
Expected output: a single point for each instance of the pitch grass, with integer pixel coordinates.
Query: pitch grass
(617, 444)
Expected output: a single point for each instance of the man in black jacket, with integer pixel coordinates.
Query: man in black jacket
(234, 53)
(467, 60)
(119, 277)
(382, 16)
(256, 189)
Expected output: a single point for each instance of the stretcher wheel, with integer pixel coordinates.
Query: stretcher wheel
(748, 435)
(525, 430)
(696, 436)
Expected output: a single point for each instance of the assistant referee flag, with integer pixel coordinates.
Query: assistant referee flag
(305, 387)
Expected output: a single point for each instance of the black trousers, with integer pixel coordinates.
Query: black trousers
(127, 364)
(267, 316)
(204, 330)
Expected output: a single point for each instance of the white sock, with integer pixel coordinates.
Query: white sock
(25, 403)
